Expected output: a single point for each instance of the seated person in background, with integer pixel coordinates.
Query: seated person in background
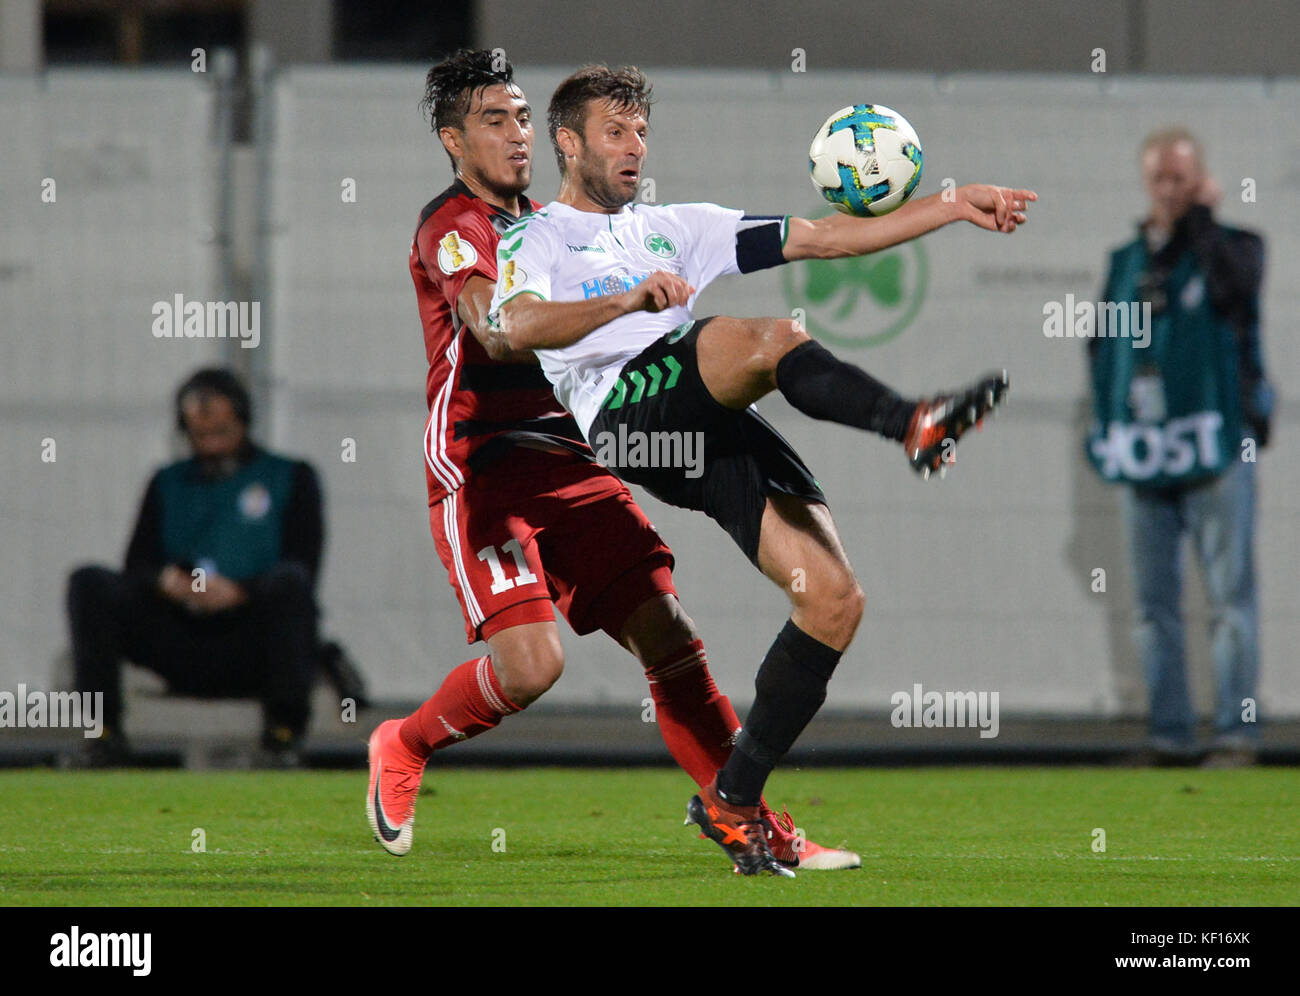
(217, 595)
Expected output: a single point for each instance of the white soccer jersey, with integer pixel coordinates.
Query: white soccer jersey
(562, 254)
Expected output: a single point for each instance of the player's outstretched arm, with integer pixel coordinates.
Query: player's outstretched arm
(528, 321)
(999, 209)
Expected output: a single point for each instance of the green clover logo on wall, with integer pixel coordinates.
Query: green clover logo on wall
(861, 301)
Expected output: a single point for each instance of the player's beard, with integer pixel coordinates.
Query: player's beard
(513, 192)
(509, 191)
(594, 173)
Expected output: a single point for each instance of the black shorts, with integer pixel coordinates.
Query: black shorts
(660, 428)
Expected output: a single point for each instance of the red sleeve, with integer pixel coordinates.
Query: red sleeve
(454, 246)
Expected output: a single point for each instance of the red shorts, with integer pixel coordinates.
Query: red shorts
(536, 528)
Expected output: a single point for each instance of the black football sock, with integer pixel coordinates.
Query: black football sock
(823, 386)
(790, 686)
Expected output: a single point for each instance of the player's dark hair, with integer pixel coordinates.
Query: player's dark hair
(626, 89)
(450, 86)
(216, 381)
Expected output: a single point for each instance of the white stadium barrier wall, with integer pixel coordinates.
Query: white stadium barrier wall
(979, 582)
(132, 222)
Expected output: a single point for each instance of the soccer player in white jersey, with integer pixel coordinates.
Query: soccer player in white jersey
(603, 290)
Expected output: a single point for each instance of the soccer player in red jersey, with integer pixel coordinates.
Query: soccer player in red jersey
(517, 502)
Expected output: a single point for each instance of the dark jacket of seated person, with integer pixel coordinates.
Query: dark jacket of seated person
(218, 591)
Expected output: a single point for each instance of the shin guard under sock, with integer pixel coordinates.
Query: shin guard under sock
(823, 386)
(790, 688)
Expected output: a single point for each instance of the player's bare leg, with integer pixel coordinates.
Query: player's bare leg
(741, 360)
(738, 357)
(798, 541)
(527, 660)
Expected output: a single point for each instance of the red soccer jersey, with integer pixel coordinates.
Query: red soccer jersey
(473, 400)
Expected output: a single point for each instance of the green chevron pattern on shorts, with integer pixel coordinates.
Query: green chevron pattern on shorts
(641, 388)
(674, 369)
(637, 378)
(616, 395)
(655, 376)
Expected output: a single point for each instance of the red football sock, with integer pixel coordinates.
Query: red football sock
(695, 719)
(469, 702)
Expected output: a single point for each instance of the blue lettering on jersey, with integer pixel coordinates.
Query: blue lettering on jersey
(615, 283)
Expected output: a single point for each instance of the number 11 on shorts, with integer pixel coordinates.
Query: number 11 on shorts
(500, 582)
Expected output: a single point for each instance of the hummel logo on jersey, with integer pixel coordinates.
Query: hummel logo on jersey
(572, 248)
(453, 254)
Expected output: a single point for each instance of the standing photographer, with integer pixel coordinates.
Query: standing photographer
(1178, 422)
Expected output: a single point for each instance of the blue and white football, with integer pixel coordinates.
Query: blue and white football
(865, 160)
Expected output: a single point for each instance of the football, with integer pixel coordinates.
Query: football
(865, 160)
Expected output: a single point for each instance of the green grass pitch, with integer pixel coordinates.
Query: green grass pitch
(930, 836)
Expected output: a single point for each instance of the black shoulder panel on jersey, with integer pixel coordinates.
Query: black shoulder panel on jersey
(759, 241)
(499, 217)
(457, 189)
